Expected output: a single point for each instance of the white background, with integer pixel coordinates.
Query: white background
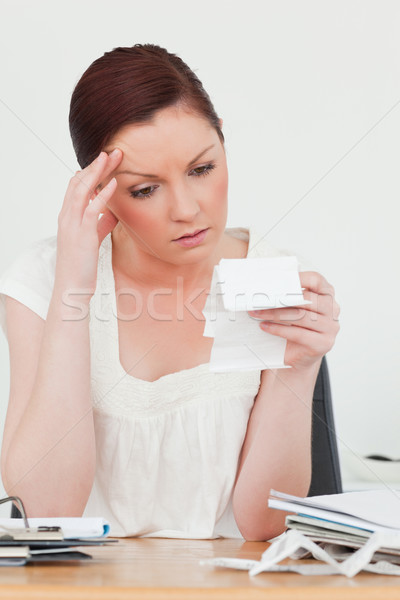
(310, 96)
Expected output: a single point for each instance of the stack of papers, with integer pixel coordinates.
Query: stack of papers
(341, 523)
(356, 514)
(51, 539)
(244, 284)
(348, 532)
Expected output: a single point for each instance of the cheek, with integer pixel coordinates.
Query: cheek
(220, 186)
(223, 187)
(134, 214)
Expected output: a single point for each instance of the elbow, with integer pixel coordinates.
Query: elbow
(261, 534)
(258, 524)
(4, 475)
(257, 533)
(63, 495)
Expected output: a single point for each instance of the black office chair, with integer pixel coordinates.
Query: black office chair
(326, 478)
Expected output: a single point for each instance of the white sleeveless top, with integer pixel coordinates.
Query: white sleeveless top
(167, 450)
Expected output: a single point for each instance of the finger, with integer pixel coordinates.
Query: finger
(324, 304)
(291, 313)
(86, 175)
(99, 170)
(304, 337)
(98, 204)
(114, 158)
(311, 280)
(79, 177)
(83, 184)
(106, 224)
(307, 320)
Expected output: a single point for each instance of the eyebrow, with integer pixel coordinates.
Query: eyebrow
(196, 158)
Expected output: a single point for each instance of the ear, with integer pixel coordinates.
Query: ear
(221, 122)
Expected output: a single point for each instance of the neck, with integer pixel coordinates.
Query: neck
(148, 270)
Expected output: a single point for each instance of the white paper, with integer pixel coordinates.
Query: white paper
(258, 283)
(241, 285)
(72, 527)
(321, 530)
(375, 510)
(288, 544)
(356, 561)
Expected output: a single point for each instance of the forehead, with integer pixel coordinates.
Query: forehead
(172, 128)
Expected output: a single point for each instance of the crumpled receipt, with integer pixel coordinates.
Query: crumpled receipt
(239, 285)
(293, 544)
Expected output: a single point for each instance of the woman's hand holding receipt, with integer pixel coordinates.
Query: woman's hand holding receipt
(281, 414)
(313, 327)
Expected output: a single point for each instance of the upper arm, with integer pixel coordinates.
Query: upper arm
(24, 331)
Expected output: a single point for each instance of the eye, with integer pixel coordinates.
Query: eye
(145, 192)
(203, 170)
(148, 191)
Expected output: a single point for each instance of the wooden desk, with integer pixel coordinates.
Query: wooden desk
(163, 568)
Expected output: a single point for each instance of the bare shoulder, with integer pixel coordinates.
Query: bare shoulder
(235, 247)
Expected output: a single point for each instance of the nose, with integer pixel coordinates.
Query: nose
(183, 204)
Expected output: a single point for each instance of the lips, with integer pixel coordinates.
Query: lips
(190, 234)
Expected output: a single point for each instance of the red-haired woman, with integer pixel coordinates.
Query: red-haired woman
(113, 410)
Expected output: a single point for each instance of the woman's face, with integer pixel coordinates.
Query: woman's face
(172, 180)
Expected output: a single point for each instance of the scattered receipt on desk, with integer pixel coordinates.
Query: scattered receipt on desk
(239, 285)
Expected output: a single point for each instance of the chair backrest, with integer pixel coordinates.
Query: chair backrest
(15, 513)
(326, 478)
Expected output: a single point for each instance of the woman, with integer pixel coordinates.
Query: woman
(122, 417)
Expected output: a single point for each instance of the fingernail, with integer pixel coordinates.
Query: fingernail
(115, 152)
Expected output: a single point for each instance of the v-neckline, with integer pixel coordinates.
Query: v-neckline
(114, 323)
